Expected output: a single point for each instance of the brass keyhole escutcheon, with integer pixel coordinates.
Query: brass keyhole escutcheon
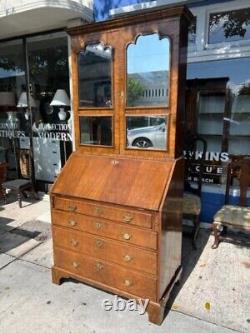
(128, 283)
(126, 236)
(74, 242)
(75, 264)
(72, 223)
(72, 208)
(98, 225)
(127, 258)
(128, 218)
(99, 243)
(99, 266)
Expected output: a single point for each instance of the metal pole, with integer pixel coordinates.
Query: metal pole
(27, 77)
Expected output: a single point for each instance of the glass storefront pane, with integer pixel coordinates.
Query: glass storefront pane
(237, 112)
(51, 115)
(148, 71)
(147, 132)
(12, 81)
(95, 71)
(96, 130)
(229, 26)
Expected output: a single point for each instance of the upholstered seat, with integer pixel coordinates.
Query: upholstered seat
(234, 216)
(191, 204)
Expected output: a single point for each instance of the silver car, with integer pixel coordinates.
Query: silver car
(153, 137)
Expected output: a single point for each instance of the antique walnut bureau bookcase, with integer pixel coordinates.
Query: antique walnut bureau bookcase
(117, 204)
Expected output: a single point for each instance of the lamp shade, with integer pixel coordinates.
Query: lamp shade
(7, 98)
(23, 103)
(60, 98)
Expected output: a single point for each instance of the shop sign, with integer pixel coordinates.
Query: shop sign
(53, 131)
(213, 168)
(11, 130)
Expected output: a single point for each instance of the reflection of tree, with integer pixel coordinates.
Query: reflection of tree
(134, 91)
(234, 22)
(245, 90)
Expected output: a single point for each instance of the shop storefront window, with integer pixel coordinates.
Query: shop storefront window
(222, 114)
(42, 116)
(229, 26)
(12, 80)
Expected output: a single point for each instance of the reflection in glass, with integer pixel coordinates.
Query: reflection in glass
(229, 26)
(95, 76)
(96, 130)
(147, 132)
(148, 71)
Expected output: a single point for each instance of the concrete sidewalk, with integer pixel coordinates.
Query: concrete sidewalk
(214, 295)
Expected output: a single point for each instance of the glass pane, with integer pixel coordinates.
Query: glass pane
(12, 81)
(148, 71)
(147, 132)
(51, 115)
(94, 66)
(229, 26)
(192, 32)
(96, 131)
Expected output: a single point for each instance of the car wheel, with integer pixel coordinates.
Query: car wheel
(142, 143)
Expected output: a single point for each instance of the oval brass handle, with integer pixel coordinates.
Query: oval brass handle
(99, 243)
(127, 218)
(74, 242)
(127, 236)
(98, 210)
(72, 223)
(128, 283)
(75, 264)
(127, 258)
(98, 225)
(72, 208)
(99, 266)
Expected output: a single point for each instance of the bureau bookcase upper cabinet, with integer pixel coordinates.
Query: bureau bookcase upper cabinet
(117, 204)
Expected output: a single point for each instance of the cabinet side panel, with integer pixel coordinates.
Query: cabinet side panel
(170, 242)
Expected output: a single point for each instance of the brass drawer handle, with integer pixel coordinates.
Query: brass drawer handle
(99, 267)
(74, 242)
(127, 236)
(128, 283)
(99, 243)
(98, 210)
(127, 258)
(98, 225)
(72, 208)
(72, 223)
(127, 218)
(75, 264)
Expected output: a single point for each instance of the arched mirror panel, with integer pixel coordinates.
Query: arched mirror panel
(95, 76)
(148, 63)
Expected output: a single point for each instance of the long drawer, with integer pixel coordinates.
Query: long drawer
(103, 248)
(112, 213)
(106, 273)
(106, 228)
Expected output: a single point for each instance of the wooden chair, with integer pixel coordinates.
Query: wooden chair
(192, 191)
(234, 216)
(3, 176)
(19, 186)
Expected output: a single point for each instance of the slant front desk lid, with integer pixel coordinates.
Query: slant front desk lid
(130, 182)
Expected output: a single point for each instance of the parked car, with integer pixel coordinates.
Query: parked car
(147, 137)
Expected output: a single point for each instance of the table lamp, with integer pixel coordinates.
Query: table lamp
(61, 99)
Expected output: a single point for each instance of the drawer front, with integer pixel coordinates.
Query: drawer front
(106, 273)
(100, 211)
(101, 227)
(105, 249)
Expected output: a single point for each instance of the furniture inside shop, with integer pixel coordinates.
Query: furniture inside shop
(3, 176)
(117, 203)
(234, 216)
(195, 151)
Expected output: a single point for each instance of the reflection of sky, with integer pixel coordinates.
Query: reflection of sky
(148, 54)
(237, 70)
